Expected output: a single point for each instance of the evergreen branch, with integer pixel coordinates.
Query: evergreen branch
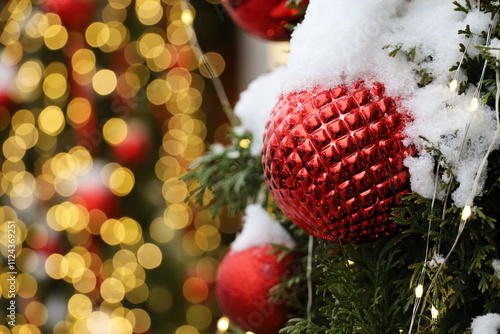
(231, 175)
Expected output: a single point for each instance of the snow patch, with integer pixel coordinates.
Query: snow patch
(255, 105)
(260, 230)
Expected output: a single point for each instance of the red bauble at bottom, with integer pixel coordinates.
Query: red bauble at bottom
(333, 161)
(243, 283)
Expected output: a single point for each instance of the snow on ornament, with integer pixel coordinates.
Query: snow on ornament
(267, 19)
(339, 44)
(333, 161)
(248, 272)
(486, 324)
(255, 105)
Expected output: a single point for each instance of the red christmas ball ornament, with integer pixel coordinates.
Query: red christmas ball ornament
(248, 272)
(135, 150)
(263, 18)
(333, 161)
(243, 283)
(74, 14)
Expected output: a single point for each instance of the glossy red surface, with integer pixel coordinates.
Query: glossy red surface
(262, 18)
(333, 161)
(243, 283)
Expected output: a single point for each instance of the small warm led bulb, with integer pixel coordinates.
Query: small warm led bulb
(223, 324)
(466, 212)
(419, 291)
(187, 16)
(474, 104)
(434, 313)
(453, 85)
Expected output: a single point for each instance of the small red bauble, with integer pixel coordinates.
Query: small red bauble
(263, 18)
(333, 161)
(135, 150)
(243, 283)
(74, 14)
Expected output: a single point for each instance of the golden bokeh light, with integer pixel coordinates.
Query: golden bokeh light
(98, 322)
(149, 256)
(55, 37)
(177, 216)
(79, 306)
(149, 12)
(119, 4)
(104, 82)
(158, 91)
(83, 61)
(78, 112)
(195, 290)
(54, 86)
(51, 120)
(28, 286)
(199, 316)
(36, 313)
(115, 131)
(97, 34)
(160, 231)
(121, 181)
(142, 320)
(112, 290)
(212, 65)
(186, 329)
(29, 76)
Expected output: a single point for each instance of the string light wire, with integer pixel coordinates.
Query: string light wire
(200, 56)
(468, 205)
(308, 277)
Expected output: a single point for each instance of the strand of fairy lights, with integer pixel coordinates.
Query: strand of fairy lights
(466, 212)
(420, 285)
(467, 209)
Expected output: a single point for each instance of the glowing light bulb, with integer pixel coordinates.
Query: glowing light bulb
(434, 312)
(466, 212)
(453, 85)
(187, 16)
(419, 291)
(474, 104)
(223, 324)
(350, 262)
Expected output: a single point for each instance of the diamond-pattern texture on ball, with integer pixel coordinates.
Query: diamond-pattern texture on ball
(333, 161)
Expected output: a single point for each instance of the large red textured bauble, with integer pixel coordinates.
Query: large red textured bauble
(333, 161)
(74, 14)
(243, 283)
(262, 18)
(135, 150)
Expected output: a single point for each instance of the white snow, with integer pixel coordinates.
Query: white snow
(486, 324)
(255, 105)
(496, 266)
(260, 230)
(342, 41)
